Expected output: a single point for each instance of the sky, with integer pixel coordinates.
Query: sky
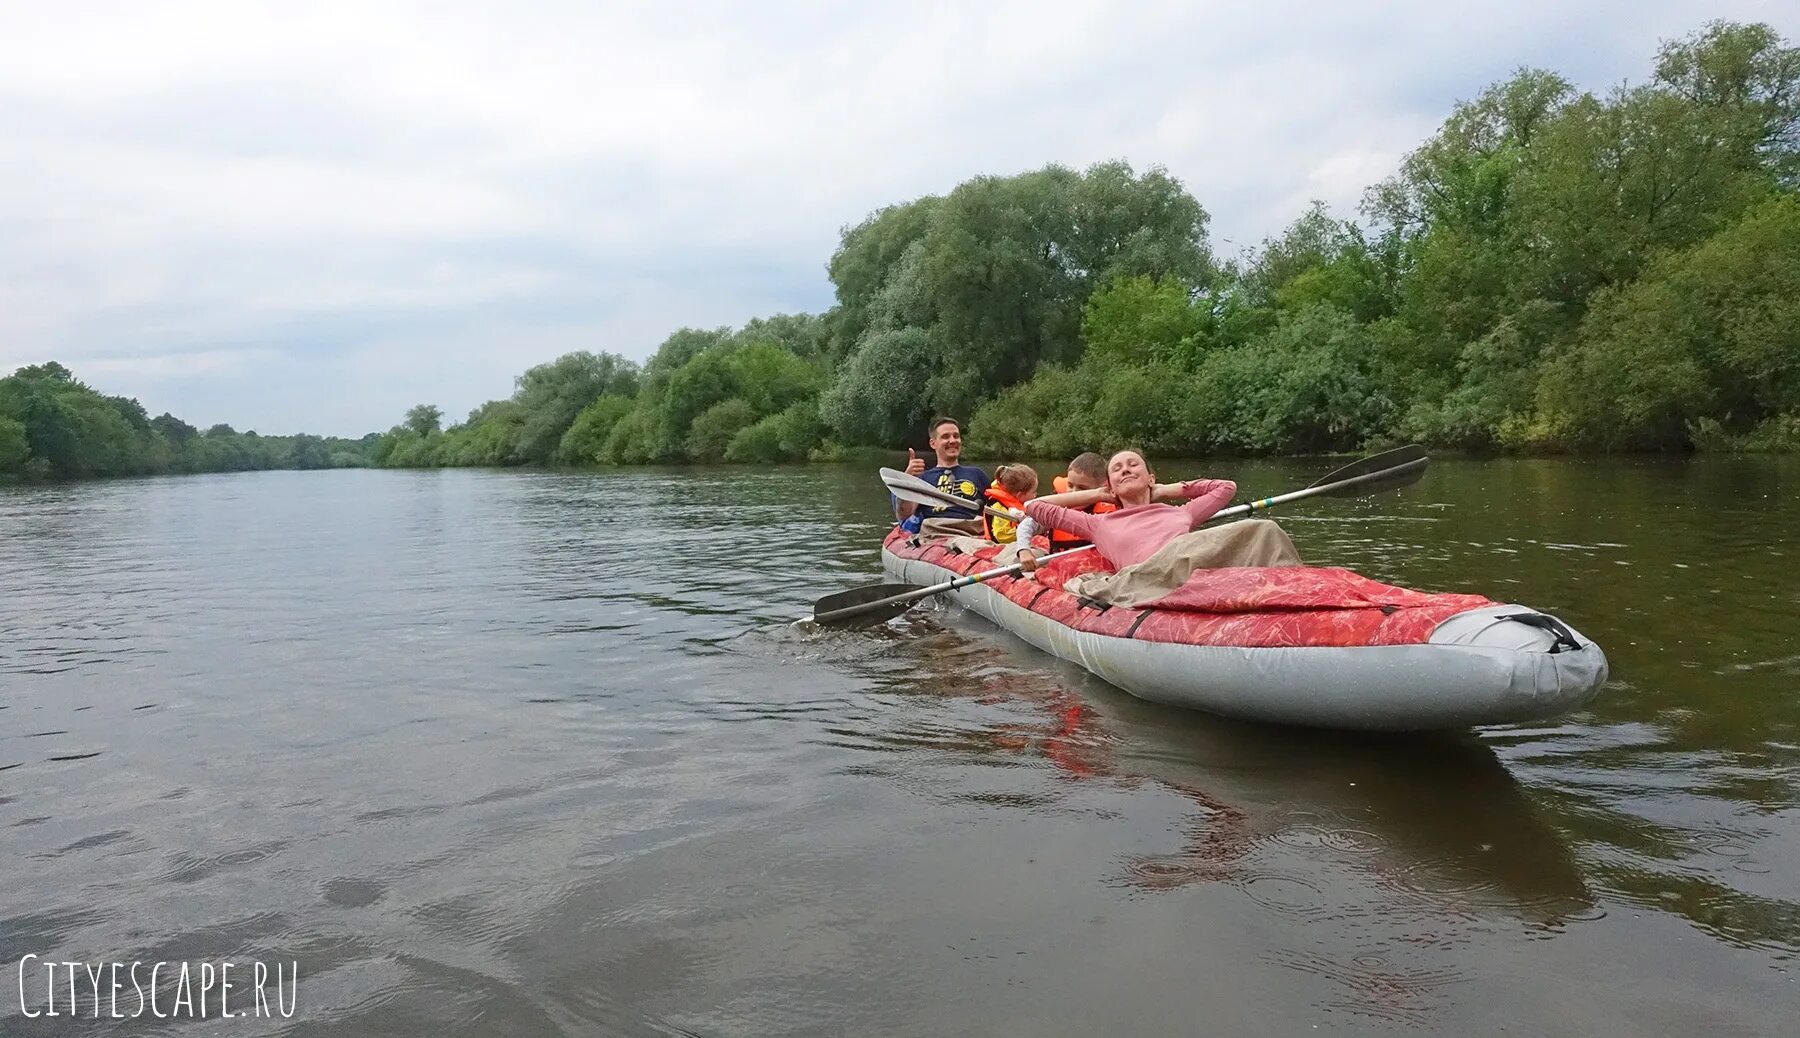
(309, 217)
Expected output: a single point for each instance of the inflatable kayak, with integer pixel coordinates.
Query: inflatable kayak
(1296, 645)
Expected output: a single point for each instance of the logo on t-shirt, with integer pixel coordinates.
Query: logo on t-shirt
(949, 484)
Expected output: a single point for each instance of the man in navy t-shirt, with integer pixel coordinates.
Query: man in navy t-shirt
(965, 481)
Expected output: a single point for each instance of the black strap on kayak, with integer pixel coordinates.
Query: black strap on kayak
(1084, 602)
(1041, 593)
(1565, 638)
(1131, 632)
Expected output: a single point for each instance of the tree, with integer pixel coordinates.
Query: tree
(1462, 176)
(1322, 260)
(882, 394)
(490, 436)
(807, 336)
(173, 429)
(716, 427)
(549, 396)
(983, 286)
(585, 442)
(864, 263)
(1746, 71)
(771, 378)
(788, 436)
(1138, 320)
(703, 382)
(14, 448)
(1713, 332)
(309, 452)
(423, 419)
(682, 346)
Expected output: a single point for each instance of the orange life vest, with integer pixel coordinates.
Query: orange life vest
(1062, 540)
(1000, 528)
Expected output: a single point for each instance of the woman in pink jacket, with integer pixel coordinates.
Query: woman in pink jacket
(1141, 525)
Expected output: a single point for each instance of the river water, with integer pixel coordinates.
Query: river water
(536, 753)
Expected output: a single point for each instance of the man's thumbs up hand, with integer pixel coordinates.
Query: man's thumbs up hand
(914, 463)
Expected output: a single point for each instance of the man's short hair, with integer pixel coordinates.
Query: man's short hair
(1089, 464)
(931, 430)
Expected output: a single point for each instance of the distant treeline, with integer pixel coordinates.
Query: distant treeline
(54, 427)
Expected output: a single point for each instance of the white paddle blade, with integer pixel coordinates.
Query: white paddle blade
(919, 492)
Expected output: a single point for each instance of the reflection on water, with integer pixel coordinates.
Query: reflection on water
(533, 753)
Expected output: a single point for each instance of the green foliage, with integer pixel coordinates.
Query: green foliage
(1314, 384)
(682, 346)
(789, 436)
(490, 437)
(14, 448)
(411, 451)
(632, 440)
(585, 441)
(865, 263)
(309, 452)
(806, 336)
(880, 391)
(1778, 434)
(715, 428)
(1141, 407)
(705, 381)
(1493, 385)
(961, 296)
(549, 396)
(1710, 333)
(772, 378)
(423, 420)
(1139, 320)
(1045, 417)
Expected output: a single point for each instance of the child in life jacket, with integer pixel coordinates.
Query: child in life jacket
(1013, 486)
(1086, 472)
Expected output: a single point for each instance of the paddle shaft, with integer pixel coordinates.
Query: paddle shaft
(937, 589)
(1263, 505)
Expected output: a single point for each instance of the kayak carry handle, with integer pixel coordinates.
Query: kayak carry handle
(1565, 638)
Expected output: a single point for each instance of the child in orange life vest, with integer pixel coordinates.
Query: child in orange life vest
(1086, 472)
(1013, 486)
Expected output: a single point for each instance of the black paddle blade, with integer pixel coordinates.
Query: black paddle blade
(1403, 475)
(1397, 468)
(864, 605)
(1374, 463)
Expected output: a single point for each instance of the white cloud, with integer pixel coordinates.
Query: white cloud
(316, 215)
